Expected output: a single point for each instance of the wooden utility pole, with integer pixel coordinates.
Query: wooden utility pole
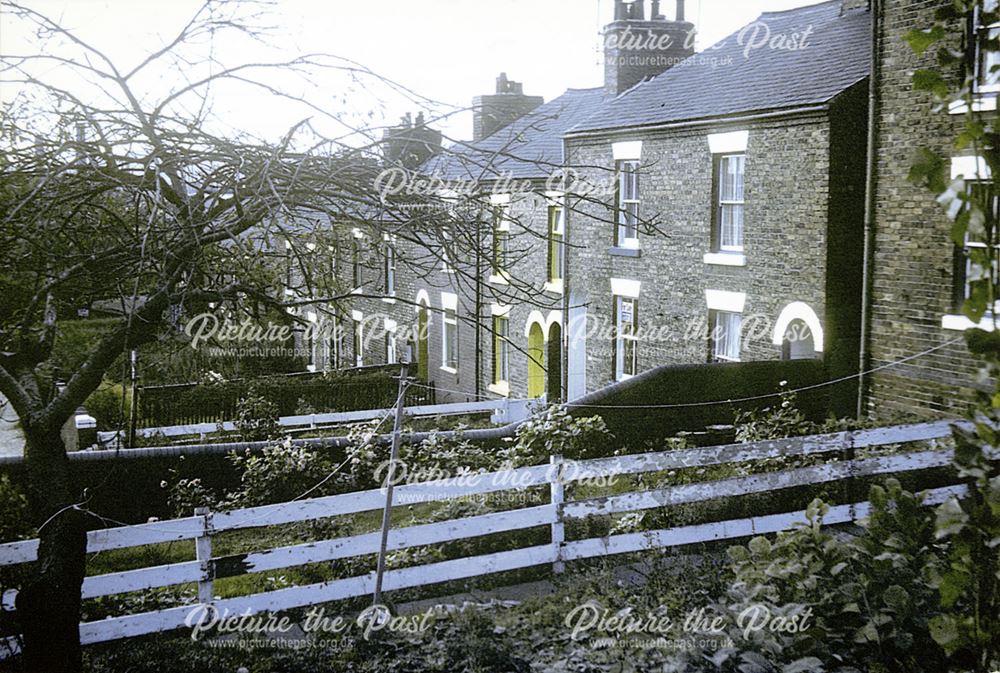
(390, 478)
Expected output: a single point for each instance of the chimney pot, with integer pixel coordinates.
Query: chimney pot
(680, 10)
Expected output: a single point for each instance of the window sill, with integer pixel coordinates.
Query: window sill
(981, 102)
(554, 286)
(619, 251)
(389, 300)
(725, 258)
(623, 377)
(498, 279)
(450, 370)
(960, 323)
(356, 290)
(502, 389)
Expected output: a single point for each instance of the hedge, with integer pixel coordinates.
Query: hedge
(329, 392)
(714, 384)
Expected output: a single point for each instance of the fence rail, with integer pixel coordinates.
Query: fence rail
(502, 411)
(205, 568)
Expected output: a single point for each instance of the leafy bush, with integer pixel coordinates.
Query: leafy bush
(555, 431)
(109, 405)
(256, 417)
(774, 422)
(283, 472)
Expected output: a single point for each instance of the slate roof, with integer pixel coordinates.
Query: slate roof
(530, 147)
(722, 80)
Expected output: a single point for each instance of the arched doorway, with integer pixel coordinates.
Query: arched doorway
(536, 361)
(423, 350)
(798, 342)
(553, 363)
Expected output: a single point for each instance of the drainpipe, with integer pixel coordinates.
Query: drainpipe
(479, 312)
(565, 332)
(870, 184)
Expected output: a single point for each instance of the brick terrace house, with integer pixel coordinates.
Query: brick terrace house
(726, 223)
(734, 231)
(917, 274)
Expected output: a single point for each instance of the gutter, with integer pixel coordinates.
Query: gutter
(709, 121)
(870, 185)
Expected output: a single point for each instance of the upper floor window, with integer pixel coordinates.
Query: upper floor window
(446, 253)
(729, 205)
(986, 41)
(626, 337)
(557, 243)
(724, 337)
(501, 349)
(627, 229)
(356, 270)
(390, 270)
(501, 239)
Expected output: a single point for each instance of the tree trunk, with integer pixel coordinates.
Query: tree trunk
(48, 607)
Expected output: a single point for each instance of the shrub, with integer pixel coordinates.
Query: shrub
(555, 431)
(256, 417)
(283, 472)
(109, 405)
(775, 422)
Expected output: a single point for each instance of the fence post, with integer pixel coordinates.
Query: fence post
(848, 455)
(203, 554)
(557, 495)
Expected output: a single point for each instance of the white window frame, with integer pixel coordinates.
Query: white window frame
(390, 269)
(391, 353)
(501, 350)
(358, 338)
(735, 204)
(726, 346)
(449, 332)
(626, 367)
(985, 82)
(500, 250)
(556, 247)
(628, 203)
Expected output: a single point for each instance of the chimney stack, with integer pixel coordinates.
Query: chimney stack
(636, 48)
(492, 113)
(410, 144)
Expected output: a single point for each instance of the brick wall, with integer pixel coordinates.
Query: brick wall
(787, 235)
(912, 279)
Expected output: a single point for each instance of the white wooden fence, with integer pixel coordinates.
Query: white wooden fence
(502, 411)
(205, 568)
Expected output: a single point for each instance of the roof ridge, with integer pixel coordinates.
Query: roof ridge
(801, 8)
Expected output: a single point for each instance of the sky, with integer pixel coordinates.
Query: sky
(447, 51)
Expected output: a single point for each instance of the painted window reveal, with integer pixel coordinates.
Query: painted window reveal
(501, 238)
